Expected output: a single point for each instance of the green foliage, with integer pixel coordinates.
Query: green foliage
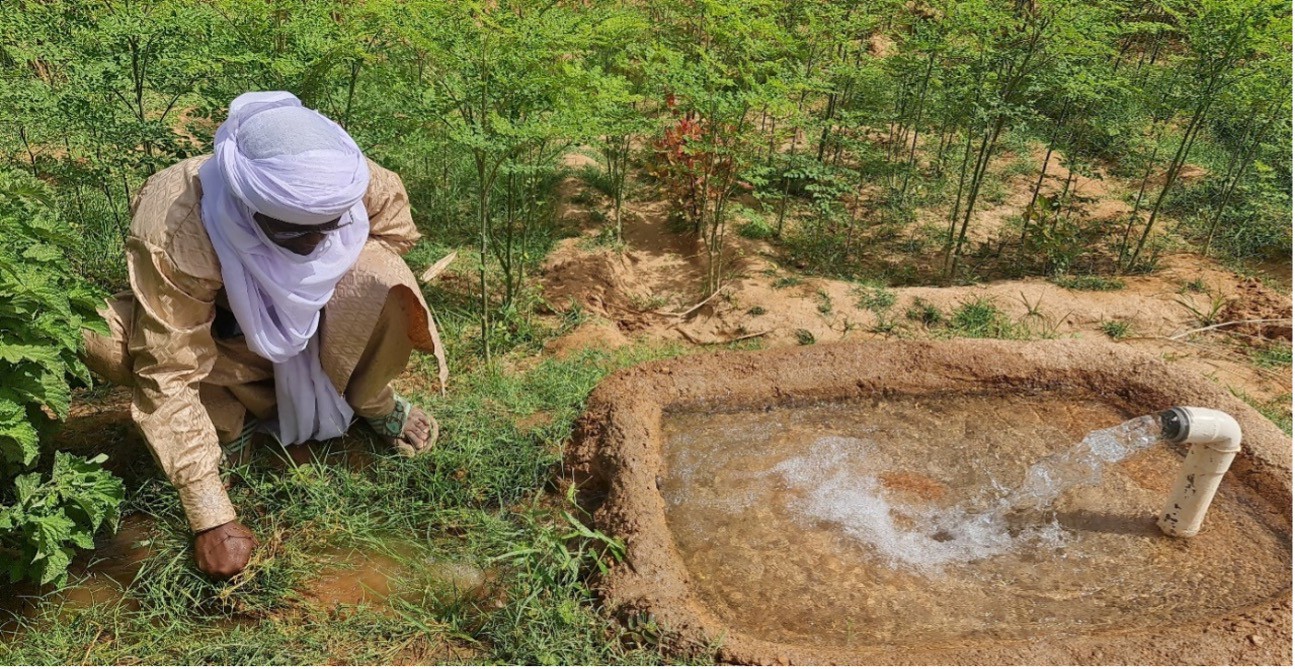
(1277, 410)
(877, 299)
(1276, 354)
(982, 319)
(52, 515)
(44, 516)
(1088, 282)
(925, 313)
(1116, 328)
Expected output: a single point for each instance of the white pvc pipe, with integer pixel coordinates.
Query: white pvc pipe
(1215, 439)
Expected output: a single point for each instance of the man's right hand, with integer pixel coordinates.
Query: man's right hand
(224, 550)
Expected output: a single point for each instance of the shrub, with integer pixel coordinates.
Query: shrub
(876, 299)
(1116, 329)
(45, 515)
(981, 318)
(757, 228)
(925, 313)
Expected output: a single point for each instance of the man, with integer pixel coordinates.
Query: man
(267, 292)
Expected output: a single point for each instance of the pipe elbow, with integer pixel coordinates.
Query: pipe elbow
(1210, 428)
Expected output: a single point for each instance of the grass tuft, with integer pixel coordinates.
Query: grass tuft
(1088, 282)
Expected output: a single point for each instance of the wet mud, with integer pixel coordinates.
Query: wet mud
(768, 586)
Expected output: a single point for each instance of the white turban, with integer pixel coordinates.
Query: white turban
(275, 157)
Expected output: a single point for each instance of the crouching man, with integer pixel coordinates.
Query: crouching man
(267, 293)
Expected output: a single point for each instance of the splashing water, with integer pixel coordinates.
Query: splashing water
(926, 537)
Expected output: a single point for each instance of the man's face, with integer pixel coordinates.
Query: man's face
(299, 239)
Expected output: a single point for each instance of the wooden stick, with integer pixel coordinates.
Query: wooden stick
(1180, 335)
(689, 310)
(437, 267)
(699, 342)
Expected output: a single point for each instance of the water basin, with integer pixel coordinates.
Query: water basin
(860, 519)
(829, 504)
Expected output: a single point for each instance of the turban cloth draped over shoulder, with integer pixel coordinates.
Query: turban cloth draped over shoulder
(277, 158)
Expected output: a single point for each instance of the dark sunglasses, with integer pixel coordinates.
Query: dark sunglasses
(277, 235)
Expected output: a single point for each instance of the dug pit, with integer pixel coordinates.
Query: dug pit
(819, 505)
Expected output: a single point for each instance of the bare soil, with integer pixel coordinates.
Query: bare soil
(644, 288)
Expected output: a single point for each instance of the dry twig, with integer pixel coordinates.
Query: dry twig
(1180, 335)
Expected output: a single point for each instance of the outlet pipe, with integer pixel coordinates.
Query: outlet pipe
(1215, 439)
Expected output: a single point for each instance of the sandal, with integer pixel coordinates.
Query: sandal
(391, 426)
(234, 448)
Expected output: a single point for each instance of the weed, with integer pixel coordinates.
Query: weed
(1277, 354)
(757, 311)
(652, 302)
(885, 324)
(757, 225)
(1277, 410)
(1088, 282)
(874, 298)
(804, 337)
(606, 238)
(925, 313)
(1033, 309)
(598, 179)
(1195, 286)
(787, 282)
(1116, 328)
(1210, 314)
(824, 302)
(585, 198)
(981, 318)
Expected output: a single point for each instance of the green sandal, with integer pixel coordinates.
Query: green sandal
(392, 425)
(235, 447)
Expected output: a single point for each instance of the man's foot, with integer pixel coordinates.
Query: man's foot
(224, 550)
(407, 428)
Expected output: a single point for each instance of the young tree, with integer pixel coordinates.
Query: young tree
(509, 81)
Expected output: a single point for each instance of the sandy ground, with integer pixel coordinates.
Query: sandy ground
(650, 288)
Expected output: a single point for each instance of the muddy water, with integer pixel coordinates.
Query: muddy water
(840, 524)
(101, 577)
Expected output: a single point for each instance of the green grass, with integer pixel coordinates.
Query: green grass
(982, 319)
(925, 313)
(824, 302)
(483, 496)
(1277, 410)
(876, 299)
(1116, 328)
(1276, 354)
(1088, 282)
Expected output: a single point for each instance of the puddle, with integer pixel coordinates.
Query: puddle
(99, 577)
(858, 521)
(358, 578)
(374, 578)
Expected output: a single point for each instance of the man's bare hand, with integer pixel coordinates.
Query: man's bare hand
(224, 550)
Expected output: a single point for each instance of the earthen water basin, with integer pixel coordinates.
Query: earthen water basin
(813, 506)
